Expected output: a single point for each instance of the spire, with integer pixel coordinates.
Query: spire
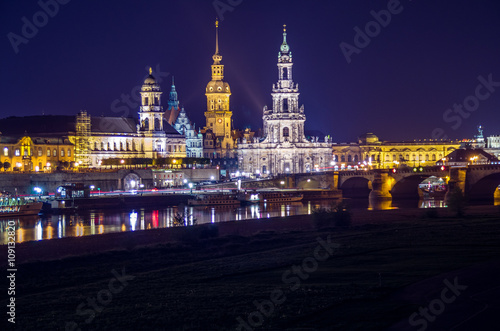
(284, 46)
(173, 102)
(217, 36)
(217, 57)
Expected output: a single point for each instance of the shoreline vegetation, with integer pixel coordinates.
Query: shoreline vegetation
(215, 276)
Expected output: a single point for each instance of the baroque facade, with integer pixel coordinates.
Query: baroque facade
(149, 136)
(370, 152)
(284, 147)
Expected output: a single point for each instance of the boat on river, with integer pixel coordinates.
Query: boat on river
(17, 206)
(214, 200)
(269, 197)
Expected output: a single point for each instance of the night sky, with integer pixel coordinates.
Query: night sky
(399, 86)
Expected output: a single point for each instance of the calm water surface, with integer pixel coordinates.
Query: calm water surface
(95, 222)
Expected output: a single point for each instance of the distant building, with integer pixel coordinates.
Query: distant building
(150, 136)
(34, 153)
(469, 156)
(284, 147)
(370, 152)
(194, 140)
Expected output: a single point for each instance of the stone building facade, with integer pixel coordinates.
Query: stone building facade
(284, 147)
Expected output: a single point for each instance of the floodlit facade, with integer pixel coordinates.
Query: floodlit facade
(219, 141)
(284, 147)
(36, 153)
(370, 152)
(151, 136)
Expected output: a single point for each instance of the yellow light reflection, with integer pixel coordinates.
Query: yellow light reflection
(20, 235)
(101, 229)
(50, 229)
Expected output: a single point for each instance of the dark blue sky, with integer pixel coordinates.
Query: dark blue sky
(399, 86)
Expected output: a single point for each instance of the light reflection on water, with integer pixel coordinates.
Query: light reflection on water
(106, 221)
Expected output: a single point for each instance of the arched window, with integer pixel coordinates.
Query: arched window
(157, 124)
(69, 152)
(55, 152)
(342, 158)
(349, 158)
(286, 132)
(433, 157)
(95, 146)
(146, 124)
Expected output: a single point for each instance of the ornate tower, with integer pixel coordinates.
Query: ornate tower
(218, 115)
(173, 105)
(285, 122)
(151, 112)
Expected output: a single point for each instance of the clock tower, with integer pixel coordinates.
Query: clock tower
(218, 114)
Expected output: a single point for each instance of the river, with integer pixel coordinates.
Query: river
(95, 222)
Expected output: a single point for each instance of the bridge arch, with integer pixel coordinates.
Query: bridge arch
(407, 187)
(356, 187)
(485, 189)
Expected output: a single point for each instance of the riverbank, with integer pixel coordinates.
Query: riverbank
(182, 279)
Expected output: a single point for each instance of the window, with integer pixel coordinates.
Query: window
(55, 152)
(5, 151)
(40, 151)
(285, 105)
(48, 151)
(349, 158)
(286, 132)
(62, 152)
(433, 157)
(17, 152)
(69, 152)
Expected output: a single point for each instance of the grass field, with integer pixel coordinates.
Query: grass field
(211, 284)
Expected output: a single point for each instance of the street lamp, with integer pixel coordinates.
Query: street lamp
(191, 187)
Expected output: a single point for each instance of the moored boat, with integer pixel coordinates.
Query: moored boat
(214, 200)
(269, 197)
(12, 207)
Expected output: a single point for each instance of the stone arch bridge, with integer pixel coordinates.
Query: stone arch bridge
(478, 182)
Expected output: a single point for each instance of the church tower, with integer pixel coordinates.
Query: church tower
(285, 122)
(151, 112)
(218, 114)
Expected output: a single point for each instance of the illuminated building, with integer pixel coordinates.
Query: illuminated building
(151, 136)
(36, 153)
(370, 152)
(218, 139)
(194, 140)
(284, 147)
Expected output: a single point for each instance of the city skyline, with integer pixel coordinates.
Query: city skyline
(420, 61)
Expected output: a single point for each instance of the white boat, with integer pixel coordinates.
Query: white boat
(269, 197)
(214, 200)
(12, 207)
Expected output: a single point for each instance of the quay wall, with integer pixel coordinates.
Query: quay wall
(23, 183)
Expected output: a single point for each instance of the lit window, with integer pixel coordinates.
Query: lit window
(48, 151)
(62, 152)
(55, 152)
(17, 153)
(5, 151)
(40, 151)
(69, 152)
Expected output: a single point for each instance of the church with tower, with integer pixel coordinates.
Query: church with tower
(218, 136)
(283, 147)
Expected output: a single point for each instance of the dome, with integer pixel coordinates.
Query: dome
(150, 80)
(368, 138)
(218, 86)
